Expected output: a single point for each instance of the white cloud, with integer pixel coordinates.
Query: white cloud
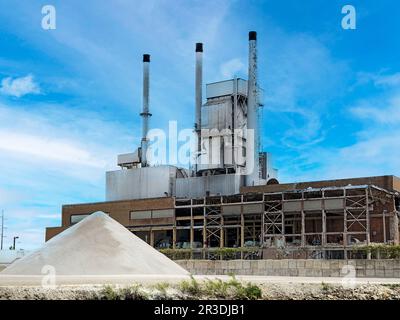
(376, 150)
(232, 68)
(19, 87)
(7, 196)
(300, 89)
(50, 216)
(379, 79)
(51, 149)
(389, 80)
(385, 111)
(52, 155)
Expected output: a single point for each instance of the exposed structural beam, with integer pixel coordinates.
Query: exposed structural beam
(145, 112)
(198, 95)
(252, 154)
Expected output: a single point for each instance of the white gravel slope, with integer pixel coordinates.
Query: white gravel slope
(98, 245)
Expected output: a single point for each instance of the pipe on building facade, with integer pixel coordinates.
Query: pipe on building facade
(252, 150)
(145, 112)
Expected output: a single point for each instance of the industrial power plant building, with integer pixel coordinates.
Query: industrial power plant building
(239, 204)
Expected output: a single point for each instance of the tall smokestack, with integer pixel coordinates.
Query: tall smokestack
(145, 112)
(199, 97)
(252, 155)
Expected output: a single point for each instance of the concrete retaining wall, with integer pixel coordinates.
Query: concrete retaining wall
(295, 267)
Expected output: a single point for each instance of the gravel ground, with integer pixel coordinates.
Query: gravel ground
(270, 291)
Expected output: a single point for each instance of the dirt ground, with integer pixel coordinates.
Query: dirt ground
(272, 288)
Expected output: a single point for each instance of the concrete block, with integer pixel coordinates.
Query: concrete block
(361, 263)
(360, 273)
(238, 271)
(369, 264)
(390, 264)
(261, 264)
(277, 272)
(326, 272)
(334, 264)
(190, 264)
(276, 264)
(269, 264)
(370, 273)
(293, 272)
(379, 273)
(309, 263)
(310, 272)
(262, 272)
(224, 264)
(302, 272)
(335, 273)
(342, 263)
(272, 272)
(247, 271)
(246, 264)
(255, 272)
(213, 264)
(301, 263)
(317, 264)
(396, 273)
(317, 272)
(389, 273)
(292, 264)
(326, 265)
(285, 263)
(284, 272)
(238, 264)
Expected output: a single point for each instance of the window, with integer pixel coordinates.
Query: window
(134, 215)
(75, 218)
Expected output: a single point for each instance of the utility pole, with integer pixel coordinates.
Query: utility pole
(2, 230)
(15, 238)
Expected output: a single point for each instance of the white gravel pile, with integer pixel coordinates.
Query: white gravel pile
(98, 245)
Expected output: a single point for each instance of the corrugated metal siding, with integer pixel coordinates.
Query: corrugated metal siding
(198, 186)
(142, 183)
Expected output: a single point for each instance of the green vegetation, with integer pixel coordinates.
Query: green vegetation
(212, 253)
(381, 251)
(191, 287)
(162, 293)
(326, 286)
(218, 289)
(134, 292)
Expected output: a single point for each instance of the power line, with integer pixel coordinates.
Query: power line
(2, 230)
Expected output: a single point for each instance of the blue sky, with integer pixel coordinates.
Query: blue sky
(70, 97)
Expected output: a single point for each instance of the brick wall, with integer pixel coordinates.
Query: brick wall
(118, 210)
(294, 267)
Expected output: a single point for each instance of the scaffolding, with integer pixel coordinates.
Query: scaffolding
(308, 223)
(329, 219)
